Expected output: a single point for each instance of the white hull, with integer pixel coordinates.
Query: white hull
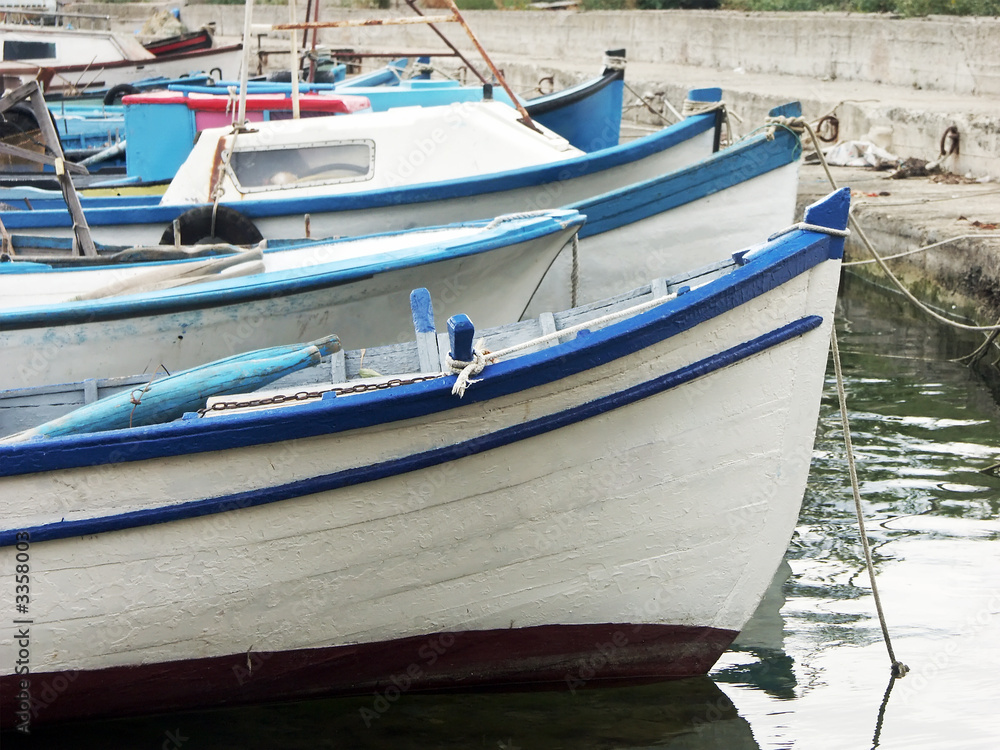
(643, 515)
(689, 236)
(291, 222)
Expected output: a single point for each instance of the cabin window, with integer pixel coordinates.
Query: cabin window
(15, 50)
(316, 164)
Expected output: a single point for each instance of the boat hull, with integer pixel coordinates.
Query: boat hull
(119, 221)
(649, 485)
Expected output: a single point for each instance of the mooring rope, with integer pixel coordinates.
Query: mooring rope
(574, 274)
(481, 357)
(898, 668)
(645, 102)
(692, 108)
(880, 260)
(923, 248)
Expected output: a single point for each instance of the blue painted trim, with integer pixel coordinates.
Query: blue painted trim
(263, 286)
(460, 334)
(775, 264)
(416, 461)
(422, 310)
(542, 105)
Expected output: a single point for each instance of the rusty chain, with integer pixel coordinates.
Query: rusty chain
(281, 398)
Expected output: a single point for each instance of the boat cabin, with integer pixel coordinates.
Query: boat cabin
(369, 151)
(160, 127)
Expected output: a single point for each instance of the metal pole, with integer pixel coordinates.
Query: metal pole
(444, 39)
(525, 117)
(244, 70)
(294, 62)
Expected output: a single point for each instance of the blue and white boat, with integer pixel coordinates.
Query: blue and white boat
(666, 185)
(131, 313)
(598, 495)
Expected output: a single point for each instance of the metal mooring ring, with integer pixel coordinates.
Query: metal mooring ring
(949, 141)
(828, 128)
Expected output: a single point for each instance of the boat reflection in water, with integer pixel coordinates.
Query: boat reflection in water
(689, 714)
(757, 657)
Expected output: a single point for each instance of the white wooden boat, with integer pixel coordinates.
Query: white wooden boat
(73, 61)
(59, 324)
(462, 161)
(607, 503)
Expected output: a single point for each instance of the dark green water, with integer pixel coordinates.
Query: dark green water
(811, 670)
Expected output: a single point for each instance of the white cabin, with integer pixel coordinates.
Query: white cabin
(367, 151)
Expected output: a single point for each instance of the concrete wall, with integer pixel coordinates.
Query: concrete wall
(957, 55)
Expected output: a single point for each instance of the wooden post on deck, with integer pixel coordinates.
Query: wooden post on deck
(32, 93)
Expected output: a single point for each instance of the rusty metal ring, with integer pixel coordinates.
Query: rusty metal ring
(950, 137)
(551, 87)
(828, 128)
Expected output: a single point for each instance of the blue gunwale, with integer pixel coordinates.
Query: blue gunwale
(282, 283)
(779, 262)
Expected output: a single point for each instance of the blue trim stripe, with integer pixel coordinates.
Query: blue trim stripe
(426, 459)
(786, 258)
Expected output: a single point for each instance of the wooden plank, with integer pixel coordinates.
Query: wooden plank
(32, 156)
(80, 228)
(338, 367)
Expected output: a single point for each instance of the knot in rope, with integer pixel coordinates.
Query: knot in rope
(691, 107)
(467, 370)
(612, 62)
(796, 124)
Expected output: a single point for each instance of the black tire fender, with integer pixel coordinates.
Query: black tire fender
(230, 226)
(117, 92)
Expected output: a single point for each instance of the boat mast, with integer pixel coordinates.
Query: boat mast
(244, 68)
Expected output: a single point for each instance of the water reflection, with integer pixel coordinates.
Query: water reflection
(764, 664)
(924, 429)
(692, 714)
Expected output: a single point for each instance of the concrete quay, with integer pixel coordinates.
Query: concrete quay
(908, 80)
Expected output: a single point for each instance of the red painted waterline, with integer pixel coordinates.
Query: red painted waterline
(546, 656)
